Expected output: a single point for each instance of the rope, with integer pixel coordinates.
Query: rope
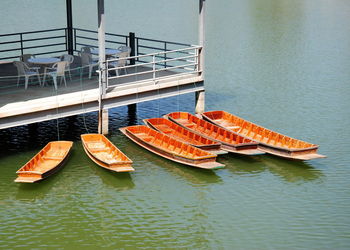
(82, 98)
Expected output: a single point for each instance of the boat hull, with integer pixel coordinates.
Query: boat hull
(262, 135)
(44, 164)
(205, 163)
(103, 155)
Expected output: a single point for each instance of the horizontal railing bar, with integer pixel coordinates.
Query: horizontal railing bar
(91, 31)
(149, 71)
(160, 41)
(42, 38)
(31, 32)
(87, 38)
(10, 42)
(7, 50)
(47, 45)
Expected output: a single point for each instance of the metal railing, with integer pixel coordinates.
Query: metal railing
(48, 41)
(154, 66)
(53, 41)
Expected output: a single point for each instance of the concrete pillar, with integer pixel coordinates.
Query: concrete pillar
(104, 122)
(201, 33)
(200, 102)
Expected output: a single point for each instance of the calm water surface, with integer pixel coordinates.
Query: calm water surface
(284, 64)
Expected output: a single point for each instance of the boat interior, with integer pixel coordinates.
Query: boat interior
(170, 128)
(103, 149)
(167, 143)
(51, 155)
(256, 132)
(192, 122)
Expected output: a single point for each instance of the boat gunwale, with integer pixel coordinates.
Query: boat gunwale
(290, 150)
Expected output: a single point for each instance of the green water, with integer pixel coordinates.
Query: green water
(284, 64)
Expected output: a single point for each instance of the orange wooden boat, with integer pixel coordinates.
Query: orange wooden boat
(45, 163)
(181, 134)
(105, 154)
(167, 147)
(270, 141)
(231, 142)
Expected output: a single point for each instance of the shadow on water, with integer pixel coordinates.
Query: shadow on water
(192, 174)
(120, 181)
(290, 171)
(38, 190)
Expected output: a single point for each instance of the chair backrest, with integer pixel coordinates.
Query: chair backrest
(124, 48)
(26, 57)
(67, 58)
(85, 50)
(86, 58)
(60, 67)
(21, 67)
(122, 59)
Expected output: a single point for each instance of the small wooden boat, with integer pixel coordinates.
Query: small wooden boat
(105, 154)
(181, 134)
(231, 142)
(45, 163)
(270, 141)
(167, 147)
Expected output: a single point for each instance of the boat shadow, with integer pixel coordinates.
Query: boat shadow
(288, 170)
(192, 174)
(120, 181)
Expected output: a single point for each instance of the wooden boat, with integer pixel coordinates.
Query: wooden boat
(270, 141)
(181, 134)
(105, 154)
(45, 163)
(167, 147)
(231, 142)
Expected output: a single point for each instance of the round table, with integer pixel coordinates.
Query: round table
(108, 52)
(43, 60)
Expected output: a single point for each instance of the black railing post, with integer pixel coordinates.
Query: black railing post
(69, 26)
(21, 37)
(132, 46)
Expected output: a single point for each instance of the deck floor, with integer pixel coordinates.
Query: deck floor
(11, 93)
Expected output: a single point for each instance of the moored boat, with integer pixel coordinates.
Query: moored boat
(269, 141)
(45, 163)
(180, 133)
(231, 142)
(105, 154)
(170, 148)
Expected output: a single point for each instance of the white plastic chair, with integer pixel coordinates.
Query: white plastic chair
(120, 62)
(57, 70)
(87, 60)
(69, 59)
(24, 70)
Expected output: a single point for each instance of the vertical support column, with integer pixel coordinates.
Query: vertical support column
(102, 121)
(200, 95)
(69, 27)
(104, 118)
(201, 34)
(132, 108)
(132, 46)
(200, 102)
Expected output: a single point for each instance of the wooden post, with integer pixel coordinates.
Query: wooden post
(200, 102)
(69, 27)
(132, 114)
(103, 114)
